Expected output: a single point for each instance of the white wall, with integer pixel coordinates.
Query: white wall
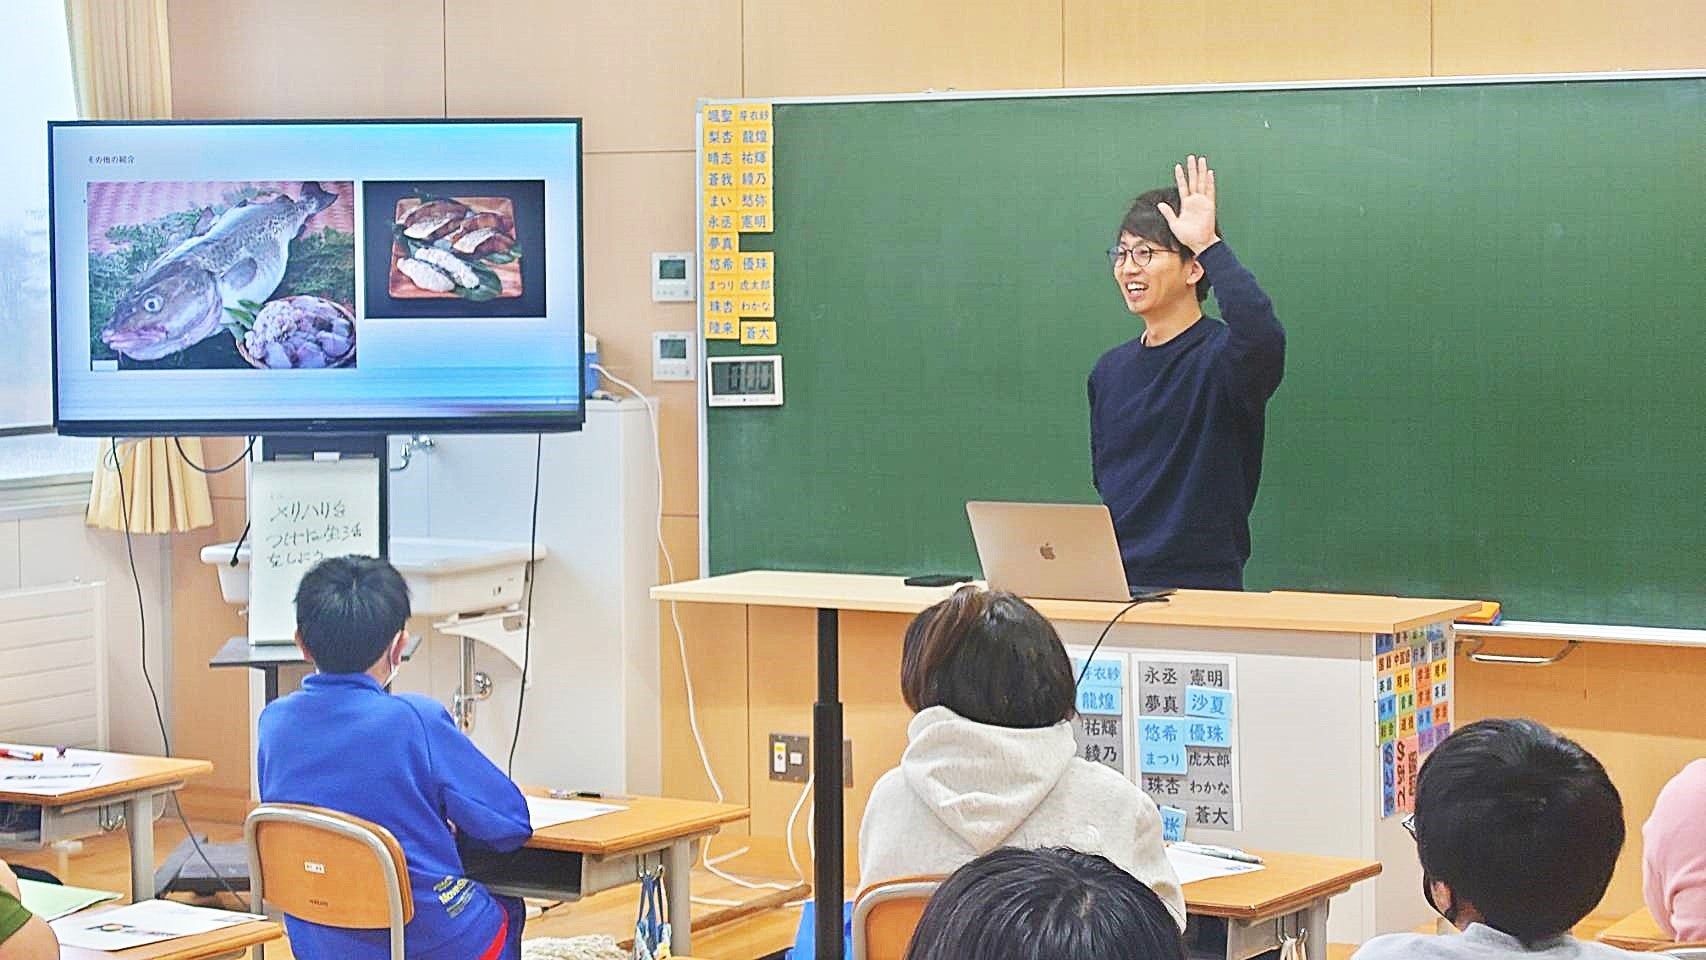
(45, 542)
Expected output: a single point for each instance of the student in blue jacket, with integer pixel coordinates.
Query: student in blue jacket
(345, 742)
(1177, 415)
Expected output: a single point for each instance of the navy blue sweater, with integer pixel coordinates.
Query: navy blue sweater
(1176, 435)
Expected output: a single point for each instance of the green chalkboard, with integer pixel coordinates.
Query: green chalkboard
(1496, 369)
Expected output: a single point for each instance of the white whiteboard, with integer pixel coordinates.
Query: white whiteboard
(301, 512)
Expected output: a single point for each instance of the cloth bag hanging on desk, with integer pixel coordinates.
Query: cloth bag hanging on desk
(651, 929)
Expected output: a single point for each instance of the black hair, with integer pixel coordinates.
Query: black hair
(1519, 822)
(990, 657)
(1144, 220)
(1050, 904)
(348, 610)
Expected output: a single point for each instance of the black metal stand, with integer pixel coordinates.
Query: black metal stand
(826, 778)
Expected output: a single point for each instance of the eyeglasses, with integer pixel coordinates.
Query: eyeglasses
(1140, 255)
(1409, 824)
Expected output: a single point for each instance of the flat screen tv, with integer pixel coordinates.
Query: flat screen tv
(373, 276)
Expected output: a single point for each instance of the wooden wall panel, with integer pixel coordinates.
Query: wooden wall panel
(817, 47)
(638, 204)
(1567, 36)
(1631, 706)
(782, 685)
(210, 708)
(632, 70)
(308, 58)
(1121, 44)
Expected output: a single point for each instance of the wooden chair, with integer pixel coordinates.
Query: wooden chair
(885, 915)
(328, 868)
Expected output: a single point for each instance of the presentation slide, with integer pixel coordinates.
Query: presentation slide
(271, 272)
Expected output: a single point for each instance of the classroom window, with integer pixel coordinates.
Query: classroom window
(39, 62)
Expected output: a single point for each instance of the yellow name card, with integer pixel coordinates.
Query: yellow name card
(758, 332)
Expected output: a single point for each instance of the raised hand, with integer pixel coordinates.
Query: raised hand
(1193, 223)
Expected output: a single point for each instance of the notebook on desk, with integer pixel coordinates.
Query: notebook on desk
(1052, 551)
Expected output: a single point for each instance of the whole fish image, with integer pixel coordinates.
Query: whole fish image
(218, 263)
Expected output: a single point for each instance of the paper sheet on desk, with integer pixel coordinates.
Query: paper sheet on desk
(150, 921)
(1194, 866)
(46, 776)
(544, 812)
(50, 901)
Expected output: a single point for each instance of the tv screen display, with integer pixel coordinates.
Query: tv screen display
(351, 276)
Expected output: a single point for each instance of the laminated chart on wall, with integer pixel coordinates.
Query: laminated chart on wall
(1412, 707)
(1187, 736)
(1101, 727)
(736, 197)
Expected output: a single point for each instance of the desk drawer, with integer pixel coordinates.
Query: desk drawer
(546, 874)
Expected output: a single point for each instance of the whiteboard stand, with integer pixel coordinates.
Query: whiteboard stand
(340, 446)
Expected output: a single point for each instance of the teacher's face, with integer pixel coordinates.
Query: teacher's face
(1152, 278)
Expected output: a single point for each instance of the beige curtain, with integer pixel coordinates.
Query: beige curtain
(120, 63)
(119, 58)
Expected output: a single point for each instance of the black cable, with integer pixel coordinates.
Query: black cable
(527, 628)
(159, 715)
(1104, 634)
(179, 443)
(236, 548)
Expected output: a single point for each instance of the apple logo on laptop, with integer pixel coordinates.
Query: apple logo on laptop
(1047, 551)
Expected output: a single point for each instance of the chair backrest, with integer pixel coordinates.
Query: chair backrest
(885, 915)
(328, 868)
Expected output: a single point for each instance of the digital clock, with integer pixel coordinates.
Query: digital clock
(744, 381)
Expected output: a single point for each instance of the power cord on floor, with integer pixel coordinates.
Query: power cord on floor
(159, 714)
(709, 863)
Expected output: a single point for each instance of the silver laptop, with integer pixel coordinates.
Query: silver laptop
(1049, 551)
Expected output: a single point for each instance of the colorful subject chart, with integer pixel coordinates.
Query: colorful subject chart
(1412, 707)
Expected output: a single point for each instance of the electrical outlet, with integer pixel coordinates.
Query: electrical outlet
(790, 757)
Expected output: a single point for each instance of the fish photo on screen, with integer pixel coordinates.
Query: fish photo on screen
(209, 275)
(467, 249)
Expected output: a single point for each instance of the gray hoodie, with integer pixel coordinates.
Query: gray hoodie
(965, 788)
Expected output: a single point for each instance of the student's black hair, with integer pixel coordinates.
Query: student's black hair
(1051, 904)
(1144, 220)
(348, 610)
(1521, 823)
(988, 656)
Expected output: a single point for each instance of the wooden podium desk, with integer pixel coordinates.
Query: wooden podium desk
(1306, 714)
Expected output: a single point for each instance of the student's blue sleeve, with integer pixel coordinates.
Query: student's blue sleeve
(1254, 355)
(479, 801)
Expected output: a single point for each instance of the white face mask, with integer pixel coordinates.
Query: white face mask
(392, 676)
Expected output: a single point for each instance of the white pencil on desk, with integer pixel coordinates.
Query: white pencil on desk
(1211, 850)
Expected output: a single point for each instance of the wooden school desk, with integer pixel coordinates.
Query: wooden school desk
(1290, 895)
(574, 860)
(1638, 931)
(228, 942)
(1306, 715)
(127, 782)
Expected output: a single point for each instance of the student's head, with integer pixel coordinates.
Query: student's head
(1155, 272)
(350, 612)
(988, 656)
(1517, 828)
(1057, 904)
